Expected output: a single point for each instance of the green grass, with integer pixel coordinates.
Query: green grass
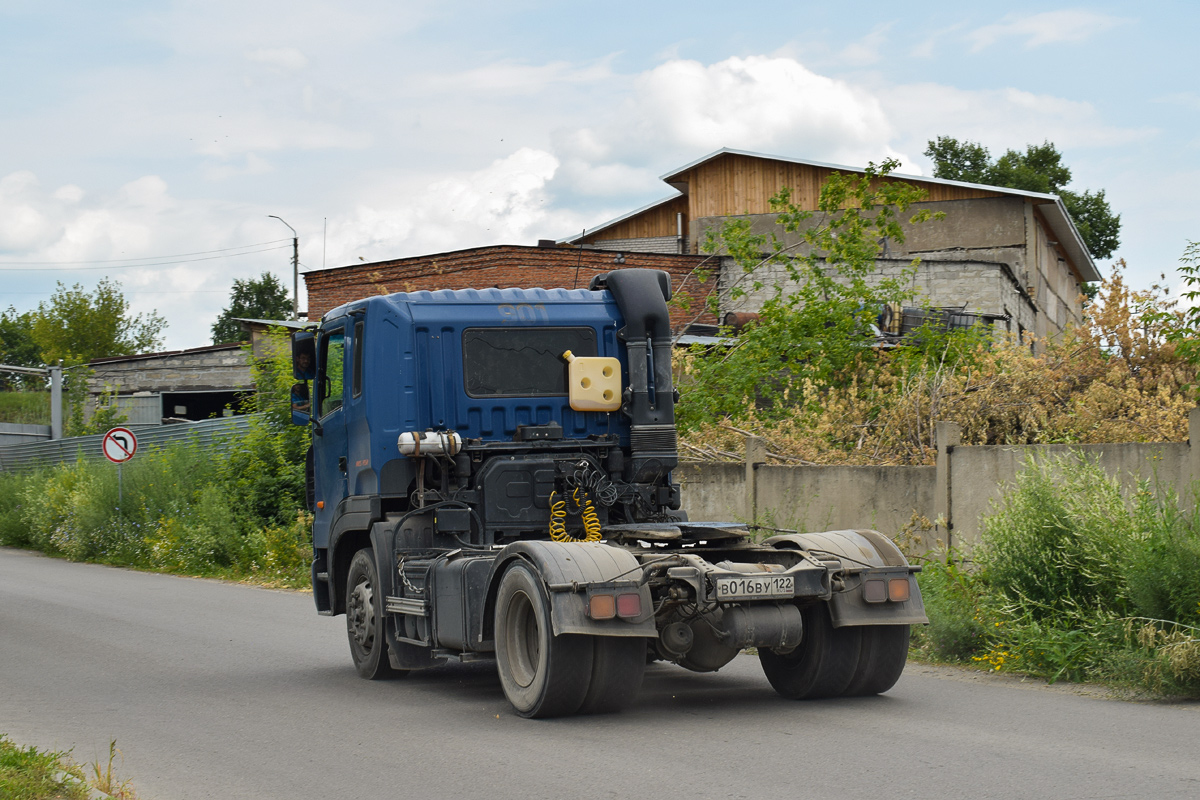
(27, 773)
(25, 408)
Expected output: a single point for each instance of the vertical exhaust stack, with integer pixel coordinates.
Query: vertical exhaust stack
(642, 296)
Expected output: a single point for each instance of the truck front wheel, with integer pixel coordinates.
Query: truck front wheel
(543, 675)
(364, 619)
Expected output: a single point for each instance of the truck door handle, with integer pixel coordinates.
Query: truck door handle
(342, 463)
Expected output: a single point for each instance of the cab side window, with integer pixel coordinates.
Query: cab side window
(333, 370)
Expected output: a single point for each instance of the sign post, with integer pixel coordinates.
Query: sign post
(119, 445)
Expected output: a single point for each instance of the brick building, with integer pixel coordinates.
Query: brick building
(502, 266)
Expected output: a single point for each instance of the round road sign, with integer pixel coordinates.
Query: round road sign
(119, 445)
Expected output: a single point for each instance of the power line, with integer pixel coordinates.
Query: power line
(149, 258)
(106, 265)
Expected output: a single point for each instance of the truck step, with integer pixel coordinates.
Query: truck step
(409, 606)
(463, 658)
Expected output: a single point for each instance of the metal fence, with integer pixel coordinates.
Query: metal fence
(209, 434)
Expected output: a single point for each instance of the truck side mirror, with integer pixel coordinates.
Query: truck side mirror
(304, 356)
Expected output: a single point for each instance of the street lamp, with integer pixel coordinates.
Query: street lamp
(295, 268)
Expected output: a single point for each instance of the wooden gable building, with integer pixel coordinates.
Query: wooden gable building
(1002, 252)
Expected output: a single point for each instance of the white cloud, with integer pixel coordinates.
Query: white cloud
(1190, 100)
(774, 105)
(866, 50)
(1048, 27)
(504, 203)
(78, 237)
(24, 223)
(513, 77)
(1000, 118)
(285, 58)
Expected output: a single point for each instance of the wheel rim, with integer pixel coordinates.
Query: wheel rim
(360, 612)
(523, 639)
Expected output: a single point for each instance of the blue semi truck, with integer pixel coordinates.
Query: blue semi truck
(491, 478)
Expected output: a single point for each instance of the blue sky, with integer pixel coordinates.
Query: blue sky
(134, 132)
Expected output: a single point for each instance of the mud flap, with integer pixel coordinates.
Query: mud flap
(864, 554)
(572, 572)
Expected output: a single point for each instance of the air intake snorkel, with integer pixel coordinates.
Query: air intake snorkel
(642, 296)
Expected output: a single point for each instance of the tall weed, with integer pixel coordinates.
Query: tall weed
(1075, 582)
(1060, 541)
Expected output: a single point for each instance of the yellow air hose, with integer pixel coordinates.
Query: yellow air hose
(558, 519)
(586, 510)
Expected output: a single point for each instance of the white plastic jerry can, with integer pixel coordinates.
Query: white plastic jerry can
(594, 382)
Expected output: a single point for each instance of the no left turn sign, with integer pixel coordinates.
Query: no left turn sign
(119, 445)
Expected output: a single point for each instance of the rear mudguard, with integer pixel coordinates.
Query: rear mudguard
(864, 554)
(572, 572)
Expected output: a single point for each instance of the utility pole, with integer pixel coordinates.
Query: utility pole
(295, 268)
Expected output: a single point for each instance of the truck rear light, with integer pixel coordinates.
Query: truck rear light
(898, 590)
(629, 605)
(602, 606)
(875, 591)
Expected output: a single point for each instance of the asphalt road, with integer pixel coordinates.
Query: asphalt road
(215, 690)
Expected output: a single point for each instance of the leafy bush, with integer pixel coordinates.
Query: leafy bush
(957, 628)
(1075, 582)
(1164, 570)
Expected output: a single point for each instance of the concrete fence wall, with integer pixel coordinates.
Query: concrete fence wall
(954, 495)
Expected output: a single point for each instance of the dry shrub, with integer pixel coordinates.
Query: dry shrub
(1114, 379)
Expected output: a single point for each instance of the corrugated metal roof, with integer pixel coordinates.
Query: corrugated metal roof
(291, 324)
(166, 353)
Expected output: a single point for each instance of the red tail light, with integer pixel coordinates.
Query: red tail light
(629, 605)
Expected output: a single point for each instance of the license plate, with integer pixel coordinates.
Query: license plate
(756, 587)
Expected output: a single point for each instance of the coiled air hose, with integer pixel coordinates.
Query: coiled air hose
(586, 510)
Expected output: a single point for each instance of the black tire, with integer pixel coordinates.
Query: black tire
(822, 666)
(543, 675)
(881, 659)
(618, 666)
(364, 619)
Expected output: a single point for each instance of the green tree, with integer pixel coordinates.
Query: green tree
(813, 331)
(76, 326)
(1182, 327)
(1038, 169)
(263, 297)
(17, 348)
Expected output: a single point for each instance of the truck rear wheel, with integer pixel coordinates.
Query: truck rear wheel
(822, 666)
(881, 660)
(618, 666)
(364, 619)
(543, 675)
